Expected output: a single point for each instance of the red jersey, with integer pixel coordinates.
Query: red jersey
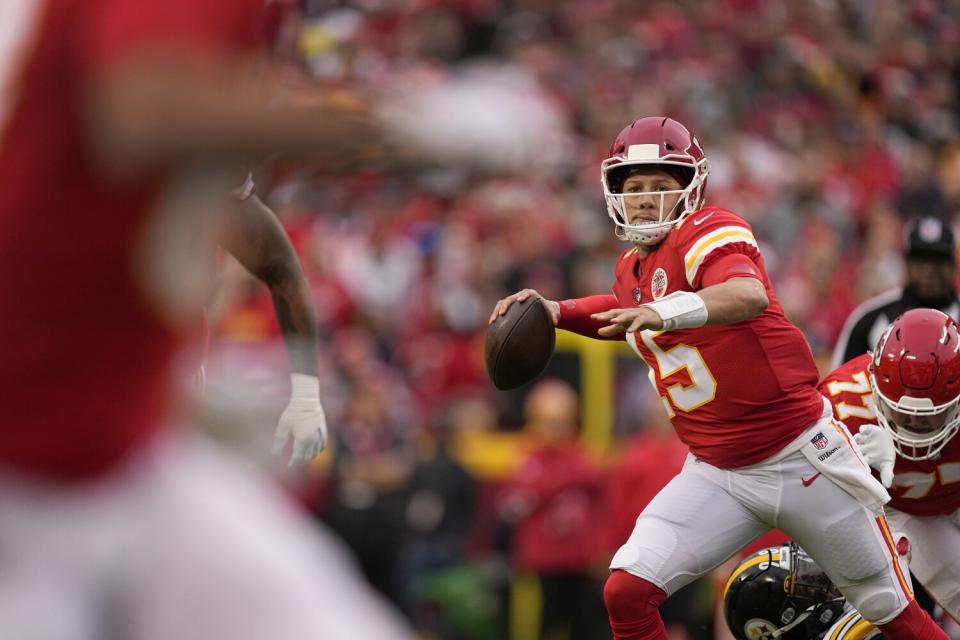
(736, 393)
(86, 342)
(922, 488)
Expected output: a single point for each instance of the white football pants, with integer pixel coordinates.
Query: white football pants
(934, 554)
(706, 514)
(182, 543)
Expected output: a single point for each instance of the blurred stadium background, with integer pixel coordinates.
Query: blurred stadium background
(828, 124)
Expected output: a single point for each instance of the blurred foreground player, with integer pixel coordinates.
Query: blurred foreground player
(114, 525)
(693, 299)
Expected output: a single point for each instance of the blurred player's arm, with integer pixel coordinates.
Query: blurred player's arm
(255, 237)
(162, 83)
(163, 105)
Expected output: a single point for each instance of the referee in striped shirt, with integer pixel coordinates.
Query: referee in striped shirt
(931, 272)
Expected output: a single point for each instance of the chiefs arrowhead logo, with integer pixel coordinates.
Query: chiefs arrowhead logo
(658, 284)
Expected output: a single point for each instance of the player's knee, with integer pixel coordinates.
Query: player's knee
(878, 598)
(945, 588)
(881, 606)
(951, 602)
(631, 598)
(854, 560)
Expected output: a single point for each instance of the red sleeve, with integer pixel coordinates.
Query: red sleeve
(113, 29)
(732, 265)
(575, 315)
(711, 234)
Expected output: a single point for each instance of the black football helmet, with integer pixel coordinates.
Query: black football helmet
(780, 592)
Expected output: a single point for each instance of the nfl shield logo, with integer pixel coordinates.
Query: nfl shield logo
(819, 441)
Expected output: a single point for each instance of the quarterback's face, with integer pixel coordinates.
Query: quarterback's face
(923, 425)
(647, 192)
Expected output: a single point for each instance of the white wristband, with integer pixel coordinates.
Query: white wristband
(680, 310)
(304, 387)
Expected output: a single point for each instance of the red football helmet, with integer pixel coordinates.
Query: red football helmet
(915, 375)
(662, 143)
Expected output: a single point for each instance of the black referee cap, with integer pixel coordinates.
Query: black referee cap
(930, 237)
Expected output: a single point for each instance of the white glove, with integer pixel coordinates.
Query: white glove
(303, 419)
(877, 447)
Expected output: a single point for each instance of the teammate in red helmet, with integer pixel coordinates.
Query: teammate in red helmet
(903, 403)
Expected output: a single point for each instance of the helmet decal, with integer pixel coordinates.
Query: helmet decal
(757, 628)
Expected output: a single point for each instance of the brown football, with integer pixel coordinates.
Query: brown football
(519, 344)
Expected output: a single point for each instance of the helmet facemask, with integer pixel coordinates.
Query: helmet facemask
(920, 429)
(614, 173)
(811, 592)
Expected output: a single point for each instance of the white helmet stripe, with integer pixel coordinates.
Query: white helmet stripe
(650, 152)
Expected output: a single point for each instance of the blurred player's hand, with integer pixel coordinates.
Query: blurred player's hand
(483, 119)
(877, 447)
(303, 420)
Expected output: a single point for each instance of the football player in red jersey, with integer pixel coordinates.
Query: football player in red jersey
(903, 404)
(114, 524)
(692, 298)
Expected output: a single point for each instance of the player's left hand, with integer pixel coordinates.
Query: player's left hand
(877, 447)
(303, 420)
(626, 320)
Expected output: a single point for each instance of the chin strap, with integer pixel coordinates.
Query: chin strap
(800, 618)
(806, 613)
